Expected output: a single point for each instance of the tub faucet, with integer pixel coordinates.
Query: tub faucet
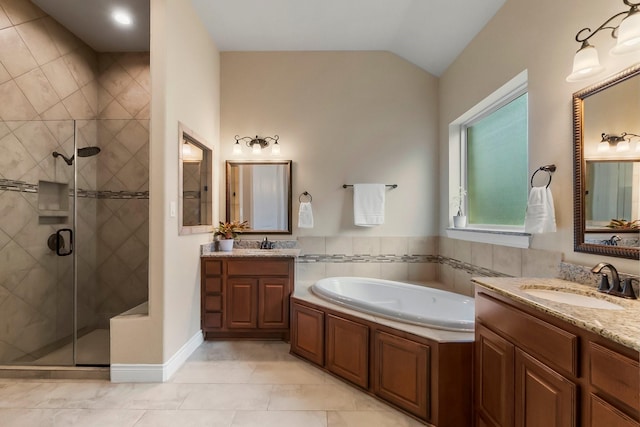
(625, 291)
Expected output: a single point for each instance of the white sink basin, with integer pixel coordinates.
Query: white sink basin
(573, 299)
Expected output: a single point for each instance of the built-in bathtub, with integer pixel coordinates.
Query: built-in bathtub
(419, 305)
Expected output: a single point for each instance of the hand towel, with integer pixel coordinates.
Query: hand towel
(540, 216)
(368, 204)
(305, 215)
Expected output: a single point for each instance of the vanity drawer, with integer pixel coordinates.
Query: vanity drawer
(257, 267)
(212, 267)
(542, 339)
(213, 284)
(213, 303)
(614, 374)
(213, 320)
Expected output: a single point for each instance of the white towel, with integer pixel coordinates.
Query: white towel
(305, 215)
(540, 216)
(368, 204)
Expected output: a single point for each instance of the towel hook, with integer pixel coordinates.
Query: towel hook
(306, 193)
(548, 169)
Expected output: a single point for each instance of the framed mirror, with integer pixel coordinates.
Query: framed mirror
(607, 166)
(259, 192)
(194, 183)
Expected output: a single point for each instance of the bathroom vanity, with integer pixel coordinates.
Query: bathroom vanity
(540, 362)
(245, 293)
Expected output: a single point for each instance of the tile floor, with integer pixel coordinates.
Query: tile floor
(234, 383)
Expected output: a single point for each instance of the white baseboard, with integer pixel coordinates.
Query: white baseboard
(155, 373)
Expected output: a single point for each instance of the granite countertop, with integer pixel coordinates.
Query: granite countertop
(264, 253)
(621, 326)
(302, 292)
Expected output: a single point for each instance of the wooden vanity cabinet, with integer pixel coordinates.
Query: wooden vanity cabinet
(246, 297)
(532, 369)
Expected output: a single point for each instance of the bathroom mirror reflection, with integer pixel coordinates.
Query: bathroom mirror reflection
(259, 192)
(195, 168)
(607, 184)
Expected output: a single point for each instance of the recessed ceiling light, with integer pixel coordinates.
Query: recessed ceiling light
(122, 17)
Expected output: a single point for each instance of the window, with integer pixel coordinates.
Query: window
(488, 157)
(495, 168)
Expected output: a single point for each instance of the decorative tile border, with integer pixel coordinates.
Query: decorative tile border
(24, 187)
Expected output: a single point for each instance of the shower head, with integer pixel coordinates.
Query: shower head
(88, 151)
(82, 152)
(67, 160)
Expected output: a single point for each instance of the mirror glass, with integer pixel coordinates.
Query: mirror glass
(259, 192)
(195, 167)
(607, 187)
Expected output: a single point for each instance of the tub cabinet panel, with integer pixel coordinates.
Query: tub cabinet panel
(307, 333)
(557, 374)
(428, 380)
(401, 373)
(246, 297)
(348, 350)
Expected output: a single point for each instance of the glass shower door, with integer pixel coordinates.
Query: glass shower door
(36, 268)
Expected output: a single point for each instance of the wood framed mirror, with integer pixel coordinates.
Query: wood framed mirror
(607, 182)
(259, 192)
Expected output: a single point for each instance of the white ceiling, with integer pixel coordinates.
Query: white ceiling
(428, 33)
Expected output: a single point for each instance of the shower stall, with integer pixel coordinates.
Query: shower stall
(73, 236)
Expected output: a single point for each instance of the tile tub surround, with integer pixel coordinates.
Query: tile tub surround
(617, 325)
(223, 383)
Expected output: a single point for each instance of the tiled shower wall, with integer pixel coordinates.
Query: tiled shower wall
(446, 263)
(47, 78)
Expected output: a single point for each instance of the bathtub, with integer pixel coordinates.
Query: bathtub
(418, 305)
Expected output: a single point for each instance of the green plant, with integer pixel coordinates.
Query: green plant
(230, 230)
(623, 224)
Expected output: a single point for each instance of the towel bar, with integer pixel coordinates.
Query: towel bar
(386, 185)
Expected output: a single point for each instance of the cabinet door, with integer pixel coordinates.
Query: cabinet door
(273, 303)
(348, 350)
(401, 368)
(543, 397)
(242, 303)
(602, 414)
(494, 378)
(307, 333)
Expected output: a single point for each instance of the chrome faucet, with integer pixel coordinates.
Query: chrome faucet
(266, 244)
(613, 241)
(626, 291)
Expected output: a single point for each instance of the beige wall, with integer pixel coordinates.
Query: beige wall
(185, 87)
(342, 117)
(538, 36)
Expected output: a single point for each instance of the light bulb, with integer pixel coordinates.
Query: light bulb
(275, 149)
(628, 34)
(585, 64)
(603, 147)
(122, 17)
(256, 149)
(237, 149)
(623, 146)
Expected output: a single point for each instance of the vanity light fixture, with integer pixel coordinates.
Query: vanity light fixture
(257, 144)
(621, 142)
(627, 33)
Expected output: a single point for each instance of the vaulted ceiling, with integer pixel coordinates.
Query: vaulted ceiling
(428, 33)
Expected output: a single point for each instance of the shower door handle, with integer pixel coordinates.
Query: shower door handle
(60, 242)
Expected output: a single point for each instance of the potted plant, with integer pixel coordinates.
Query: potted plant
(460, 219)
(226, 232)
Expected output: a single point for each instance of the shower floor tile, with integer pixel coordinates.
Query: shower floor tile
(93, 349)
